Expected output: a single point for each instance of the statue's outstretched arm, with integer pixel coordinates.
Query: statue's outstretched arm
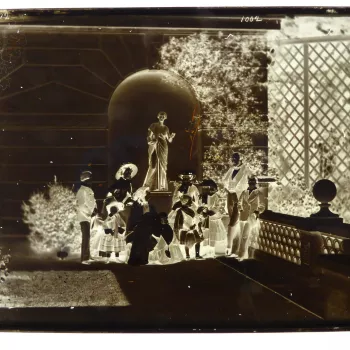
(170, 137)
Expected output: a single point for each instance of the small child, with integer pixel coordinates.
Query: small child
(111, 238)
(185, 225)
(191, 238)
(164, 236)
(139, 207)
(211, 224)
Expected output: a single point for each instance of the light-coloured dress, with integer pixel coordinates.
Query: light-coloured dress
(216, 231)
(110, 243)
(157, 255)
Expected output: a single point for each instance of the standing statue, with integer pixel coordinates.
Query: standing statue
(157, 139)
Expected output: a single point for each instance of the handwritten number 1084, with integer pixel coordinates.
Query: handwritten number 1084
(251, 19)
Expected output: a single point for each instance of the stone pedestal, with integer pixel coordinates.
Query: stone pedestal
(162, 201)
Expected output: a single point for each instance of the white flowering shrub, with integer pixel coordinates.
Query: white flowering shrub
(52, 220)
(4, 260)
(292, 200)
(341, 203)
(308, 27)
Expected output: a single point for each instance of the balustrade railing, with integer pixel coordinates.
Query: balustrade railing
(302, 241)
(283, 241)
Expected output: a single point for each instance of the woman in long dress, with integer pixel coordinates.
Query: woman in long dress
(157, 139)
(235, 182)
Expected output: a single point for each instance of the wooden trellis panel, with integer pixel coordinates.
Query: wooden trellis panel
(309, 100)
(286, 104)
(329, 107)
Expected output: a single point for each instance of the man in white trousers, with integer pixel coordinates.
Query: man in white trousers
(86, 208)
(250, 205)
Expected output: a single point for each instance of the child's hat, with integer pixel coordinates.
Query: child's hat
(85, 175)
(121, 170)
(187, 174)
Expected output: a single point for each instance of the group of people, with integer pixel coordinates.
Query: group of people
(130, 230)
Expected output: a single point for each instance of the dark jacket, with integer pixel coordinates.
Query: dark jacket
(142, 240)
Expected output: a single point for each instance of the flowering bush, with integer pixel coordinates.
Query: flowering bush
(292, 200)
(307, 27)
(4, 260)
(52, 219)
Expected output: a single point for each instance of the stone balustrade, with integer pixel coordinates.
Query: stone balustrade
(302, 241)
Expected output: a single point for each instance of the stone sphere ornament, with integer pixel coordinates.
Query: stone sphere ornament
(324, 192)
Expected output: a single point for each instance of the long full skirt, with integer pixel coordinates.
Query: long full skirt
(156, 177)
(157, 255)
(108, 243)
(215, 233)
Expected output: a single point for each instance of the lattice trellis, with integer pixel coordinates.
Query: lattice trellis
(329, 107)
(309, 101)
(286, 96)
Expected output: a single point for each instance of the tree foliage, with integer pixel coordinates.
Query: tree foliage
(52, 219)
(227, 76)
(4, 261)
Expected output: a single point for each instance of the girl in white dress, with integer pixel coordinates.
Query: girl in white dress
(110, 237)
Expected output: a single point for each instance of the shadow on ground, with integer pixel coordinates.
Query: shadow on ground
(189, 296)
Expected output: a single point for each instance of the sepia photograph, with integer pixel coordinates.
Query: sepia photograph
(175, 170)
